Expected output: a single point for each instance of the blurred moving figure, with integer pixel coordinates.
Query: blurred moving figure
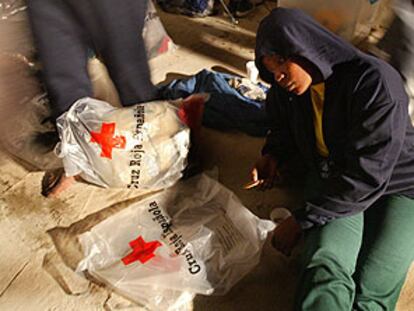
(66, 32)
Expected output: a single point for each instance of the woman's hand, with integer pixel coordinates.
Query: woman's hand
(286, 236)
(265, 172)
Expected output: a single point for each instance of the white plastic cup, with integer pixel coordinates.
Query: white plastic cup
(252, 71)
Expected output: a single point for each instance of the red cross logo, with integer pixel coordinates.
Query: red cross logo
(107, 140)
(141, 250)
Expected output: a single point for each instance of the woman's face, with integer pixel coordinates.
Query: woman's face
(288, 73)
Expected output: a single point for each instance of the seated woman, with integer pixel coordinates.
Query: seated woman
(345, 113)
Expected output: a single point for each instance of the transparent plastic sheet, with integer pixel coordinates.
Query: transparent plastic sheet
(144, 146)
(15, 33)
(402, 50)
(10, 8)
(20, 140)
(24, 106)
(103, 87)
(404, 9)
(193, 238)
(156, 39)
(399, 53)
(23, 111)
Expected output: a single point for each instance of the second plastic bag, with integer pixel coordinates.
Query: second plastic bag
(193, 238)
(144, 146)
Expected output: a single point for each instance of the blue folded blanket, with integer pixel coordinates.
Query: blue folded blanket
(234, 103)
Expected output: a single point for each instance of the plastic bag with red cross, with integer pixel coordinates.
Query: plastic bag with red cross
(144, 146)
(193, 238)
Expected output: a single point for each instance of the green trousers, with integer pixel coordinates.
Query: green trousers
(358, 262)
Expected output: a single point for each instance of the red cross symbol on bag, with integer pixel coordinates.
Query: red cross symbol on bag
(107, 140)
(141, 250)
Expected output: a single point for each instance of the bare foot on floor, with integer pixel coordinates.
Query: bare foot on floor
(55, 182)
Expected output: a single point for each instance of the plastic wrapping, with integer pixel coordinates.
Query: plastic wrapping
(24, 106)
(193, 238)
(144, 146)
(24, 111)
(15, 34)
(402, 50)
(404, 9)
(155, 37)
(103, 87)
(22, 138)
(9, 8)
(400, 53)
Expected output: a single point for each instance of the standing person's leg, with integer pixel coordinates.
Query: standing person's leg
(62, 45)
(386, 253)
(116, 30)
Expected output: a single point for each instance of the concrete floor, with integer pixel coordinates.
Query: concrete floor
(37, 235)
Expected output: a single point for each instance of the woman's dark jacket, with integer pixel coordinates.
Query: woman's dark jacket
(366, 126)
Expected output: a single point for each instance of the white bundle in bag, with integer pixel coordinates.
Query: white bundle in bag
(144, 146)
(193, 238)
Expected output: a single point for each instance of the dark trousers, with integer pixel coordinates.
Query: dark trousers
(66, 30)
(358, 262)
